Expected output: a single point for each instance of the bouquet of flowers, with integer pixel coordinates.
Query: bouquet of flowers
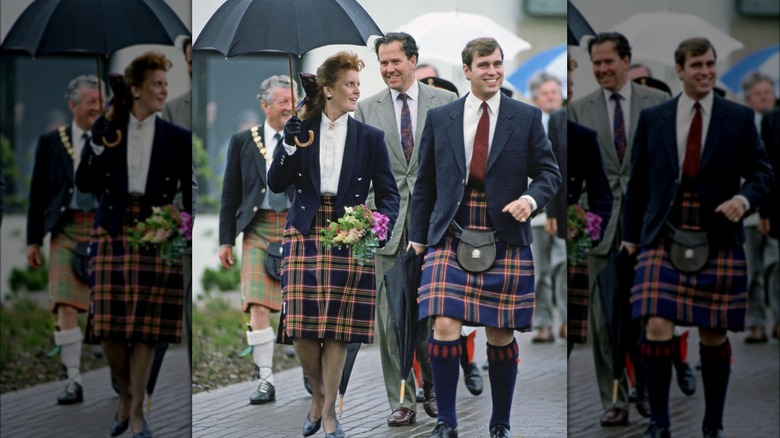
(360, 229)
(583, 228)
(167, 229)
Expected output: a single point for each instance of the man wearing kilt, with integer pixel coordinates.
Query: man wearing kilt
(249, 207)
(476, 155)
(56, 206)
(689, 155)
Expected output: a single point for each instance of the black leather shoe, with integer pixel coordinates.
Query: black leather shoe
(309, 427)
(265, 393)
(73, 393)
(338, 433)
(118, 427)
(146, 433)
(499, 431)
(643, 403)
(429, 400)
(473, 378)
(655, 430)
(712, 432)
(686, 378)
(443, 430)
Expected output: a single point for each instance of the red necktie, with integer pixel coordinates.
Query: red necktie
(693, 147)
(480, 154)
(407, 137)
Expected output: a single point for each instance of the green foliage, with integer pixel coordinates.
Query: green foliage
(29, 279)
(13, 178)
(24, 327)
(221, 279)
(209, 186)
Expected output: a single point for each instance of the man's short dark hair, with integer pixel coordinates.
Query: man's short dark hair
(696, 46)
(479, 47)
(621, 43)
(408, 44)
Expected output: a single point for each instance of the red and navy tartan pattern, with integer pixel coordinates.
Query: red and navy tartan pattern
(649, 348)
(135, 295)
(443, 350)
(327, 293)
(507, 353)
(715, 297)
(257, 287)
(721, 352)
(64, 286)
(502, 296)
(577, 303)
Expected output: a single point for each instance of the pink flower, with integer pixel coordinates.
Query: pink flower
(186, 225)
(593, 227)
(380, 225)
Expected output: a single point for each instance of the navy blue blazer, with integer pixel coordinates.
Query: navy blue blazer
(732, 151)
(365, 163)
(770, 133)
(244, 187)
(106, 174)
(51, 186)
(519, 150)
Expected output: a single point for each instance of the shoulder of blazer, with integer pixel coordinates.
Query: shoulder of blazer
(366, 129)
(649, 93)
(448, 108)
(733, 108)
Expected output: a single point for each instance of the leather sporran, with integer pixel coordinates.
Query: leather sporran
(688, 250)
(80, 261)
(273, 260)
(477, 250)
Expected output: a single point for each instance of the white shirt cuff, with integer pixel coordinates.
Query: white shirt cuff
(97, 149)
(530, 201)
(290, 149)
(744, 200)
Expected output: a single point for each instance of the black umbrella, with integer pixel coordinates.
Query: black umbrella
(349, 363)
(241, 27)
(89, 27)
(577, 26)
(401, 284)
(615, 283)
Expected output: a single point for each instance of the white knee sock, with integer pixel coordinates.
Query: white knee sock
(262, 342)
(70, 351)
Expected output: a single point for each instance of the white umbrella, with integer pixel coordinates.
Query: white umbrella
(656, 35)
(442, 36)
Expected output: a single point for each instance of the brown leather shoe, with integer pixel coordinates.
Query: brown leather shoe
(614, 417)
(544, 335)
(643, 403)
(402, 417)
(756, 336)
(776, 331)
(429, 400)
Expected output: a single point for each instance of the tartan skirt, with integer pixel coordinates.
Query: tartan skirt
(135, 294)
(502, 296)
(715, 297)
(257, 287)
(326, 294)
(64, 286)
(577, 305)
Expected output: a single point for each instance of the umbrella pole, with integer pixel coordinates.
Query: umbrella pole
(341, 404)
(615, 384)
(295, 110)
(100, 104)
(403, 390)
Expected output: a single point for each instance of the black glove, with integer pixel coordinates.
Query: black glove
(100, 130)
(293, 129)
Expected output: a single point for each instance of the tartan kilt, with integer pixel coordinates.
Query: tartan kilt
(715, 297)
(326, 294)
(503, 296)
(64, 286)
(135, 294)
(577, 295)
(257, 287)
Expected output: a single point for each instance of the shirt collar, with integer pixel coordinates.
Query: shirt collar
(474, 103)
(341, 121)
(75, 133)
(146, 124)
(269, 132)
(686, 103)
(413, 92)
(625, 92)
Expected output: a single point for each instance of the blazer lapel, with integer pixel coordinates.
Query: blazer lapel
(455, 130)
(312, 154)
(387, 122)
(714, 132)
(259, 159)
(598, 107)
(504, 127)
(158, 156)
(68, 161)
(669, 130)
(350, 151)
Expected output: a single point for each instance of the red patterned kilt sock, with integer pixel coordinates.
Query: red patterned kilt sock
(502, 369)
(445, 367)
(657, 360)
(715, 370)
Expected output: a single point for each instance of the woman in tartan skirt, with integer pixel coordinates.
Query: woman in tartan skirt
(136, 296)
(328, 297)
(690, 158)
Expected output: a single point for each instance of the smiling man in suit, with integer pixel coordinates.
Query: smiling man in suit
(476, 155)
(612, 111)
(400, 111)
(57, 207)
(689, 157)
(249, 207)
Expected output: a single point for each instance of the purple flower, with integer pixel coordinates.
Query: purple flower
(380, 225)
(593, 227)
(186, 225)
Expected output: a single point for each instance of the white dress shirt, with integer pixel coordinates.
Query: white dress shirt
(140, 139)
(333, 136)
(412, 101)
(625, 105)
(270, 147)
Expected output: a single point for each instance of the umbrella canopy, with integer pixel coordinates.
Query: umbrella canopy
(241, 27)
(766, 60)
(443, 35)
(552, 60)
(655, 35)
(349, 363)
(56, 27)
(615, 283)
(401, 284)
(577, 26)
